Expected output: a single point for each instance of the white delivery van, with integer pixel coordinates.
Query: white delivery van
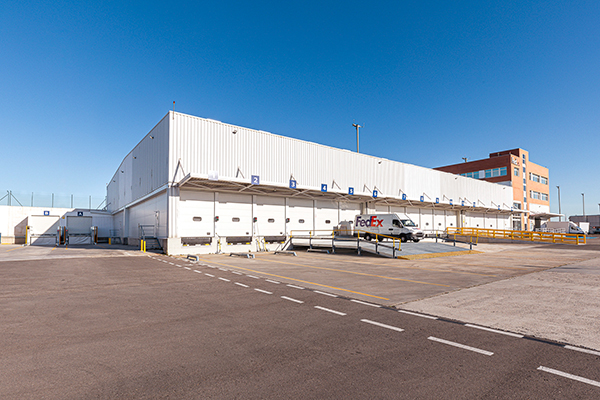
(370, 225)
(561, 227)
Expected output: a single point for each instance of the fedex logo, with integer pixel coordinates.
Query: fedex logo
(372, 222)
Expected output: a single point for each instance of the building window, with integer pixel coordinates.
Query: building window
(327, 221)
(516, 206)
(544, 196)
(300, 221)
(543, 180)
(197, 219)
(271, 220)
(235, 219)
(516, 171)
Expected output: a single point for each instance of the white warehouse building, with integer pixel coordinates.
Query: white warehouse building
(200, 186)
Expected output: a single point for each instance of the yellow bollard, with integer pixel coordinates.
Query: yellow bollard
(109, 241)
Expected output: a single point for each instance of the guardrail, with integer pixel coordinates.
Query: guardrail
(532, 236)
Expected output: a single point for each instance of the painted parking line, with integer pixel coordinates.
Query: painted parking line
(394, 328)
(302, 281)
(268, 280)
(212, 276)
(188, 268)
(223, 279)
(326, 294)
(252, 276)
(596, 353)
(330, 310)
(197, 271)
(483, 328)
(462, 346)
(263, 291)
(235, 272)
(365, 303)
(241, 284)
(569, 376)
(417, 314)
(294, 300)
(295, 287)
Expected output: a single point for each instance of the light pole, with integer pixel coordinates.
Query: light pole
(560, 216)
(583, 199)
(357, 126)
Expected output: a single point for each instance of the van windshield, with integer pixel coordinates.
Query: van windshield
(408, 222)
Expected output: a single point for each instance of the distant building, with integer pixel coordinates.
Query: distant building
(530, 183)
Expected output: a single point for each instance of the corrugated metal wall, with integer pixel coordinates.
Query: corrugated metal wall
(203, 145)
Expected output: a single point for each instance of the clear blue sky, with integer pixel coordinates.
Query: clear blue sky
(432, 81)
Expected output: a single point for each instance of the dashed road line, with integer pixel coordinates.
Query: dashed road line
(212, 276)
(268, 280)
(365, 303)
(326, 294)
(417, 314)
(483, 328)
(263, 291)
(462, 346)
(569, 376)
(235, 272)
(252, 276)
(197, 271)
(294, 300)
(188, 268)
(223, 279)
(295, 287)
(241, 284)
(330, 310)
(596, 353)
(383, 325)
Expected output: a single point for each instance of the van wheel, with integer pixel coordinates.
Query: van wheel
(367, 237)
(403, 238)
(416, 240)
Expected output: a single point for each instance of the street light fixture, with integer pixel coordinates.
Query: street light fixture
(357, 126)
(560, 216)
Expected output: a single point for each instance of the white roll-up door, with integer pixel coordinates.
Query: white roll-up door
(196, 214)
(439, 220)
(270, 216)
(235, 215)
(300, 213)
(326, 215)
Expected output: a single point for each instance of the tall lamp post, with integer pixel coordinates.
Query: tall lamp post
(560, 216)
(357, 126)
(583, 199)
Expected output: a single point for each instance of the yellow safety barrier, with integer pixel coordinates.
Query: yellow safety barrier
(331, 234)
(143, 246)
(532, 236)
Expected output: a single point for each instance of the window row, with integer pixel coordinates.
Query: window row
(537, 178)
(270, 220)
(538, 196)
(488, 173)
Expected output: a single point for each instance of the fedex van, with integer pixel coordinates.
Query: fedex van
(370, 225)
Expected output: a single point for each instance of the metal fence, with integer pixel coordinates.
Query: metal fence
(52, 200)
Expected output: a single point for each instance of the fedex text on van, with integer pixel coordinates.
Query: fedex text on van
(372, 222)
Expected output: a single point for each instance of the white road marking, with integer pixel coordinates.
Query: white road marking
(209, 266)
(188, 268)
(494, 330)
(263, 291)
(326, 294)
(295, 287)
(570, 376)
(366, 304)
(290, 299)
(241, 284)
(212, 276)
(237, 273)
(171, 263)
(222, 269)
(268, 280)
(383, 325)
(462, 346)
(223, 279)
(329, 310)
(596, 353)
(417, 315)
(197, 271)
(179, 265)
(252, 276)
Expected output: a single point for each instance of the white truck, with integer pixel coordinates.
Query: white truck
(371, 225)
(562, 227)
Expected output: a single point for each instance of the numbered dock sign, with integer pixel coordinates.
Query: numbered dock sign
(255, 180)
(375, 193)
(323, 187)
(350, 190)
(292, 184)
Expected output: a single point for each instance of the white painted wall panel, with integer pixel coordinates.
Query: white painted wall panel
(150, 212)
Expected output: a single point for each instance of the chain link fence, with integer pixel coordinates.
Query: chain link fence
(52, 200)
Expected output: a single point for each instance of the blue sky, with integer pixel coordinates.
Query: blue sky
(432, 81)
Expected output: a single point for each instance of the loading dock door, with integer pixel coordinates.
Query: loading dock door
(196, 214)
(326, 216)
(300, 214)
(270, 216)
(235, 215)
(79, 230)
(43, 229)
